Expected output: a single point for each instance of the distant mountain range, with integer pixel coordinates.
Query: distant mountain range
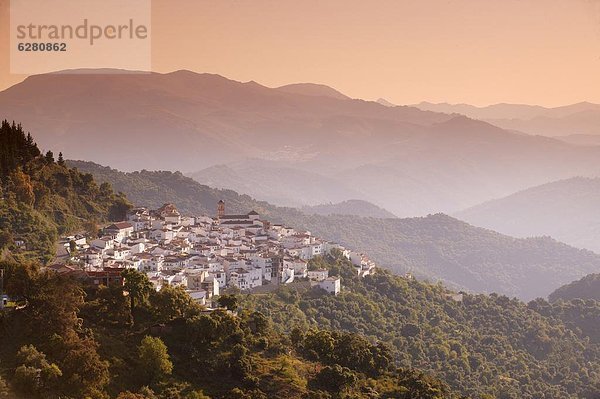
(315, 145)
(437, 247)
(575, 119)
(568, 210)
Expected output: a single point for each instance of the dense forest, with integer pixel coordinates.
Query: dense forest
(483, 345)
(437, 247)
(69, 340)
(41, 197)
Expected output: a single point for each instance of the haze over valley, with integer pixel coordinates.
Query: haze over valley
(297, 145)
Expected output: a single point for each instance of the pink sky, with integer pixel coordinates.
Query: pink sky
(543, 52)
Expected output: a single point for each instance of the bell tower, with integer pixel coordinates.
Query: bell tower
(220, 208)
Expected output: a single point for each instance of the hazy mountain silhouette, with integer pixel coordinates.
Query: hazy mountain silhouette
(408, 161)
(189, 121)
(568, 210)
(385, 102)
(581, 139)
(575, 119)
(312, 89)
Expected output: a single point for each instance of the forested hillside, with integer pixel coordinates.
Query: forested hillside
(154, 188)
(436, 247)
(482, 345)
(459, 254)
(586, 288)
(42, 197)
(74, 341)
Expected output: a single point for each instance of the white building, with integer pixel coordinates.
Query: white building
(103, 243)
(299, 266)
(331, 284)
(318, 275)
(119, 231)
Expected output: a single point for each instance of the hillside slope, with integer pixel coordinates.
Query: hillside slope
(586, 288)
(481, 345)
(568, 210)
(461, 255)
(437, 247)
(42, 198)
(350, 207)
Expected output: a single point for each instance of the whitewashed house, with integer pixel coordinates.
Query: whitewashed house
(318, 275)
(331, 284)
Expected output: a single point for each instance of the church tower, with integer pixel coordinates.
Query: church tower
(220, 208)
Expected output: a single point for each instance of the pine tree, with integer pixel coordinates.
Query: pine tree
(61, 161)
(49, 157)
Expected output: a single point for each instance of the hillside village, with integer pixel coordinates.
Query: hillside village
(204, 254)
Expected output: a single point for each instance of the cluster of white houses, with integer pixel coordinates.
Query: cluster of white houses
(207, 254)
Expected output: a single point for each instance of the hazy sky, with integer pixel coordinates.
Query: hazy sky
(545, 52)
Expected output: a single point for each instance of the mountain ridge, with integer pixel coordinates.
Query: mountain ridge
(313, 89)
(349, 207)
(580, 118)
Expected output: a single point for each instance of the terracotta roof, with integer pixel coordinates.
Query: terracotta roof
(119, 226)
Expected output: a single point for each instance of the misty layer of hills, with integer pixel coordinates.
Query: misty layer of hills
(314, 145)
(277, 183)
(581, 119)
(568, 210)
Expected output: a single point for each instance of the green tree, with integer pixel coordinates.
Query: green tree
(231, 302)
(20, 184)
(49, 157)
(6, 238)
(137, 286)
(112, 306)
(173, 302)
(119, 208)
(72, 247)
(335, 378)
(35, 375)
(154, 359)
